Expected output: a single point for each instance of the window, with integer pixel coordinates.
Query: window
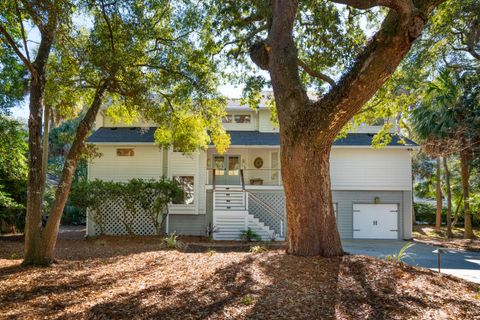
(125, 152)
(242, 118)
(186, 184)
(378, 122)
(227, 119)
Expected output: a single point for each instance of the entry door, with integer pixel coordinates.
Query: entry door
(375, 221)
(227, 169)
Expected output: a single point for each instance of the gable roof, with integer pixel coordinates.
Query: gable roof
(238, 138)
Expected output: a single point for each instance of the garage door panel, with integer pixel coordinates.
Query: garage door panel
(375, 221)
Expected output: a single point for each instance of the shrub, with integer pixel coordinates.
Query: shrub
(425, 212)
(152, 196)
(249, 235)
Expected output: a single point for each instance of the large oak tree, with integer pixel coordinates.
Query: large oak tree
(297, 41)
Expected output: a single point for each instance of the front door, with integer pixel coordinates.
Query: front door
(227, 169)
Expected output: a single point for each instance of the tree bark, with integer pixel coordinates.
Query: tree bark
(457, 209)
(439, 195)
(45, 244)
(312, 228)
(36, 179)
(449, 197)
(308, 128)
(468, 232)
(46, 131)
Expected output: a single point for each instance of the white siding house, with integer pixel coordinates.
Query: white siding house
(372, 188)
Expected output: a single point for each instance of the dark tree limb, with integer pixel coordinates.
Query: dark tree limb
(316, 74)
(68, 172)
(9, 40)
(22, 29)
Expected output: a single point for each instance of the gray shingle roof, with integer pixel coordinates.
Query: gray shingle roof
(238, 138)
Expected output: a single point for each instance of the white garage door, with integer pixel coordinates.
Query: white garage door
(375, 221)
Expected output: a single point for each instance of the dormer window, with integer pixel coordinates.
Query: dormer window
(227, 119)
(237, 118)
(242, 118)
(125, 152)
(379, 122)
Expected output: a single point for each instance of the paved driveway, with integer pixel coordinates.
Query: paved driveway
(463, 264)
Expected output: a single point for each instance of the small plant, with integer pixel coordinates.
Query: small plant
(101, 242)
(247, 300)
(171, 241)
(211, 252)
(398, 257)
(249, 235)
(258, 249)
(14, 256)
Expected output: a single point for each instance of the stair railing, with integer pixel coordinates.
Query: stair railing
(269, 209)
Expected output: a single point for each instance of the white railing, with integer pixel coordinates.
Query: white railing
(251, 177)
(269, 209)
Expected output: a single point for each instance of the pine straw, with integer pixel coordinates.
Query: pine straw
(427, 234)
(136, 279)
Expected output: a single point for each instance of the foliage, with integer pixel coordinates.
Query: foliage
(402, 254)
(449, 41)
(13, 79)
(13, 172)
(91, 195)
(150, 196)
(249, 235)
(171, 242)
(258, 249)
(424, 212)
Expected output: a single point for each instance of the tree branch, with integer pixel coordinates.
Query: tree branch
(373, 67)
(107, 21)
(316, 74)
(9, 40)
(403, 7)
(24, 38)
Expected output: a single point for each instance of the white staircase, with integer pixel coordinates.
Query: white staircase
(231, 217)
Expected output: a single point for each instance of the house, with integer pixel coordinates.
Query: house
(226, 194)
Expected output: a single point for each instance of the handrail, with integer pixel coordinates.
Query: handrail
(242, 179)
(269, 208)
(213, 179)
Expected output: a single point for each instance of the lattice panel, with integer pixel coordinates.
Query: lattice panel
(113, 212)
(274, 200)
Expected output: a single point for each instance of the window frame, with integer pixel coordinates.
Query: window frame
(192, 192)
(131, 152)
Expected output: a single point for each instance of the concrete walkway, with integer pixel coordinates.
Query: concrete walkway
(463, 264)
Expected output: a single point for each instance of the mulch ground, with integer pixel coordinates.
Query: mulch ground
(426, 234)
(122, 278)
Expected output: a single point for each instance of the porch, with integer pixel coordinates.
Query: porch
(246, 193)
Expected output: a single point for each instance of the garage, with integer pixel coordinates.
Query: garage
(375, 221)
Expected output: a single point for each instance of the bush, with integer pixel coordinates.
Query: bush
(425, 212)
(152, 196)
(249, 235)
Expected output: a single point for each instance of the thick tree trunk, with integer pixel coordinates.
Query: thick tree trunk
(438, 184)
(312, 229)
(449, 197)
(468, 233)
(45, 243)
(33, 221)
